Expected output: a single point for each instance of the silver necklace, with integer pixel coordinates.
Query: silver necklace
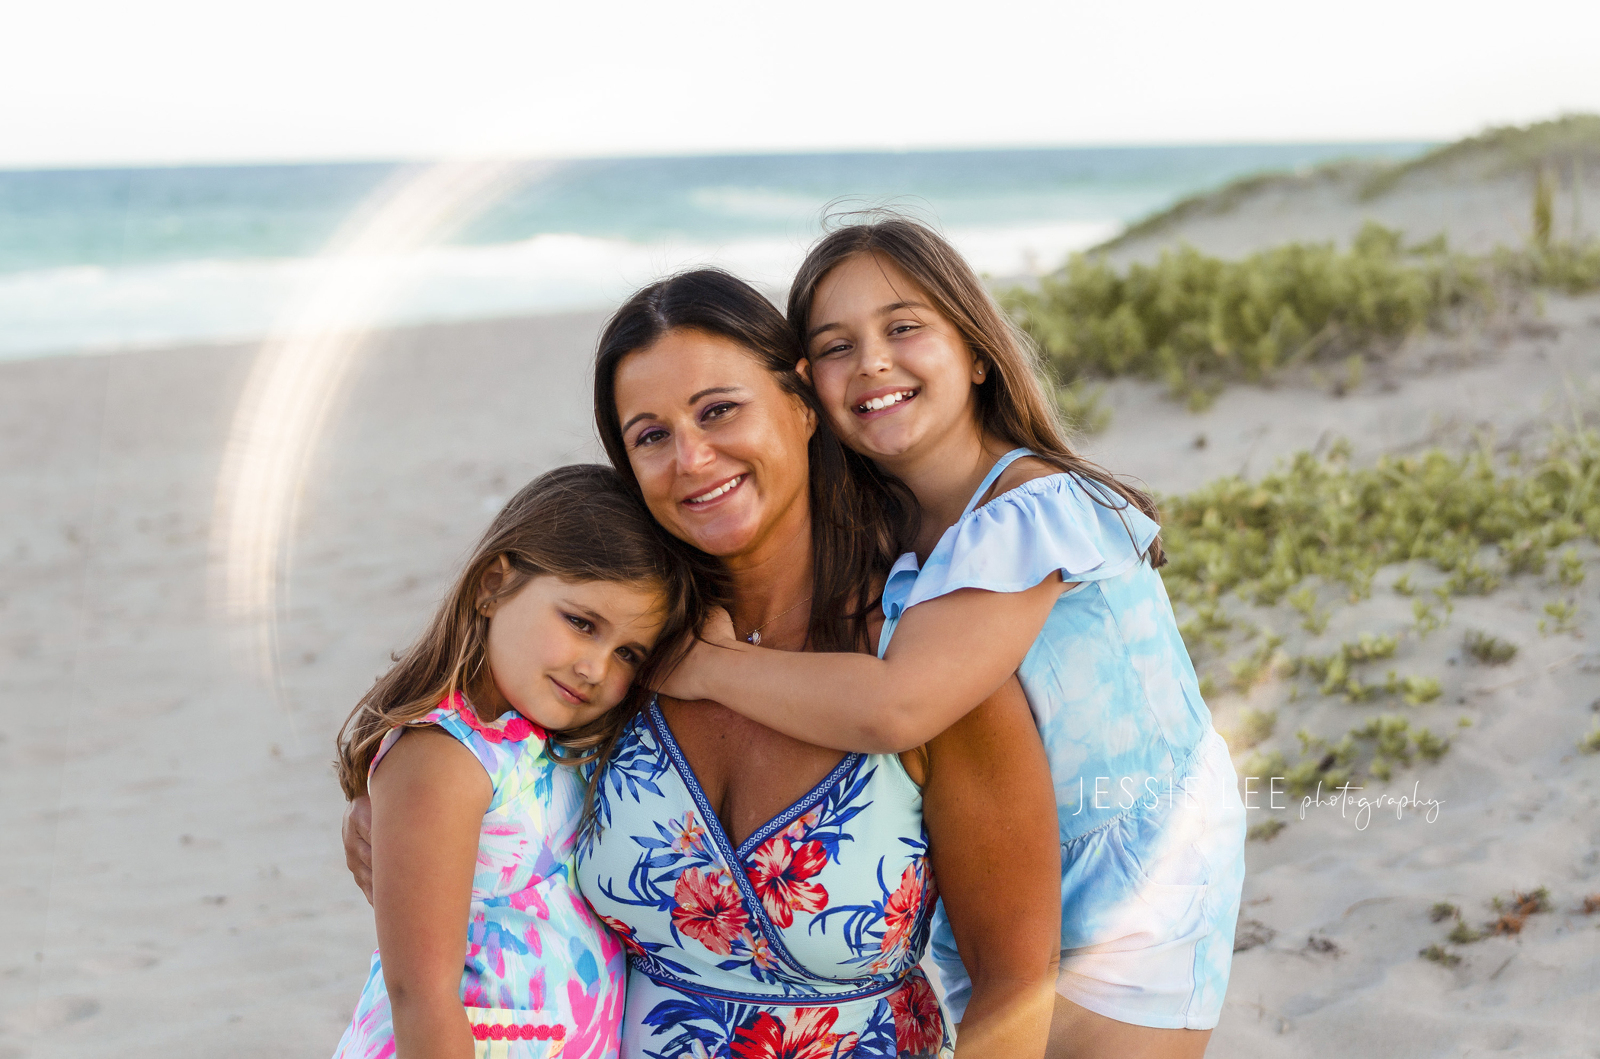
(755, 634)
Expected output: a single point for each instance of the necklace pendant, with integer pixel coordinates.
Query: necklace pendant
(754, 638)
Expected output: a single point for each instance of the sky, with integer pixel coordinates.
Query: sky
(106, 82)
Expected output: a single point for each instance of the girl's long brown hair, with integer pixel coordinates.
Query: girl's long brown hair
(1014, 402)
(579, 523)
(856, 513)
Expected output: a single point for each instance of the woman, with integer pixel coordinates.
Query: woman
(774, 895)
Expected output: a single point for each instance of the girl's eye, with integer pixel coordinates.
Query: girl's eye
(900, 329)
(649, 437)
(833, 347)
(583, 625)
(628, 655)
(718, 410)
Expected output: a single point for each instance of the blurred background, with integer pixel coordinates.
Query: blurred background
(292, 298)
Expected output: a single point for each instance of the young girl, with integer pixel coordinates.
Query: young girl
(485, 946)
(1027, 559)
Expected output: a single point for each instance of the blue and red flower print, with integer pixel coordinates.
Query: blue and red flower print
(800, 943)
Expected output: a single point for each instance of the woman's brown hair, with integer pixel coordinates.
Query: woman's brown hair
(1014, 402)
(856, 513)
(579, 523)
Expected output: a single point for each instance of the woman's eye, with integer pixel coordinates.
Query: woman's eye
(649, 437)
(581, 624)
(717, 411)
(900, 329)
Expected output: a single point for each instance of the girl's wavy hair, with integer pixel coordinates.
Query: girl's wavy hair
(580, 523)
(1014, 402)
(856, 513)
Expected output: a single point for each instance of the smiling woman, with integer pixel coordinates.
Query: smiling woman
(775, 896)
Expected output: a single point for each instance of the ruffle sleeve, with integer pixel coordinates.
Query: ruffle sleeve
(1056, 523)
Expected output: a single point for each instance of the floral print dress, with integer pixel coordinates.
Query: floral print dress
(543, 977)
(802, 942)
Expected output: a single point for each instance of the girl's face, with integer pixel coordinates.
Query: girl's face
(718, 447)
(893, 373)
(561, 653)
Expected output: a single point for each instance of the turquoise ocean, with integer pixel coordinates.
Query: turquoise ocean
(113, 259)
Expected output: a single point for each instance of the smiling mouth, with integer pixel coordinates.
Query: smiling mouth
(720, 491)
(577, 700)
(888, 400)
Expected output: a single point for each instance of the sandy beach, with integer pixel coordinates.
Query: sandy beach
(169, 859)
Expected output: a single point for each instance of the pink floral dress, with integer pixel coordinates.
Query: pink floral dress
(543, 975)
(802, 942)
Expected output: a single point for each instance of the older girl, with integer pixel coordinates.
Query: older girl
(1026, 560)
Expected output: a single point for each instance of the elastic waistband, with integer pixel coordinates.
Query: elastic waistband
(780, 1000)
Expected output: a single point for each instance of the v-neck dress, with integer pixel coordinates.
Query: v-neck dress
(801, 942)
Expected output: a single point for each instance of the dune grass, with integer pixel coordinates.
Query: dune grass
(1566, 141)
(1198, 321)
(1324, 517)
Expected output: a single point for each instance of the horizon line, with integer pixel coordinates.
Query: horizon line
(376, 160)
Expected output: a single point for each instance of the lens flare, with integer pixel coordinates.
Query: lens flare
(297, 376)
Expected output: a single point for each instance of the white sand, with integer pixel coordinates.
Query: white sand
(169, 863)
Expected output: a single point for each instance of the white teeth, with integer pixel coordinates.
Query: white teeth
(885, 401)
(718, 491)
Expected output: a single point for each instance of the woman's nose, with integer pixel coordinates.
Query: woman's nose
(694, 450)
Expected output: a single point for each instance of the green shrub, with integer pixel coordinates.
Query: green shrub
(1325, 518)
(1489, 650)
(1265, 831)
(1196, 321)
(1081, 408)
(1561, 615)
(1437, 954)
(1253, 729)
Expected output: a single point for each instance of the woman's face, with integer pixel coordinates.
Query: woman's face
(893, 374)
(717, 445)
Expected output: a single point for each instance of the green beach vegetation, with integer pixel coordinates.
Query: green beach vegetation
(1247, 558)
(1199, 322)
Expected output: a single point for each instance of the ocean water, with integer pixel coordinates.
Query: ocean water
(107, 259)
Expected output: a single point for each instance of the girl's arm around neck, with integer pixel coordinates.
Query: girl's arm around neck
(990, 811)
(429, 795)
(947, 654)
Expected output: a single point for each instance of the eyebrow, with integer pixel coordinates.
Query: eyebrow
(693, 399)
(887, 309)
(594, 616)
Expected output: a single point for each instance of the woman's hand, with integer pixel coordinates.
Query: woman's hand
(686, 681)
(357, 834)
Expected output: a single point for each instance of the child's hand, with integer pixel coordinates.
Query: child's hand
(357, 834)
(686, 680)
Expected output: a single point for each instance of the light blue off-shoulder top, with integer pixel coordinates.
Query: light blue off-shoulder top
(1108, 679)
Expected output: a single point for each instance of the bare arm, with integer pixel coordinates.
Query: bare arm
(990, 810)
(428, 800)
(947, 654)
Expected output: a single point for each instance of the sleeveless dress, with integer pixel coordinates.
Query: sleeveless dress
(800, 943)
(1152, 825)
(543, 976)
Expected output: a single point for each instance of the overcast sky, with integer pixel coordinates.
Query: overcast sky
(109, 82)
